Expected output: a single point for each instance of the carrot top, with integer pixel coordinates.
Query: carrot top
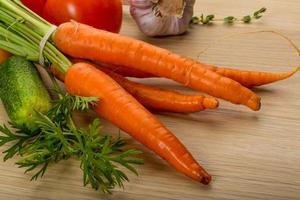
(27, 32)
(20, 33)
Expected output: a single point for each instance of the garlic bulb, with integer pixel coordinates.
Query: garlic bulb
(162, 17)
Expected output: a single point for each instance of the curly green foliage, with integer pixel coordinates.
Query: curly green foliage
(59, 139)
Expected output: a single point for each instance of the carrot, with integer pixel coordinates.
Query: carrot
(60, 76)
(156, 98)
(126, 71)
(248, 79)
(162, 99)
(82, 41)
(251, 79)
(4, 55)
(120, 108)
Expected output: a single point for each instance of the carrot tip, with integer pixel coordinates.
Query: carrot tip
(254, 103)
(291, 73)
(295, 71)
(206, 179)
(210, 103)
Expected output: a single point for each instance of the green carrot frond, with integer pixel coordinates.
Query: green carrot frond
(99, 158)
(58, 139)
(18, 140)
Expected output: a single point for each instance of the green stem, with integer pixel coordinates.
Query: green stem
(19, 46)
(26, 29)
(229, 19)
(19, 9)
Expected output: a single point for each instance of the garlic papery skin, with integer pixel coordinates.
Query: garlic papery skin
(153, 23)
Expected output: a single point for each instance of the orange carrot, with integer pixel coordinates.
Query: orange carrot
(4, 55)
(156, 98)
(251, 78)
(60, 76)
(126, 71)
(162, 99)
(120, 108)
(82, 41)
(248, 79)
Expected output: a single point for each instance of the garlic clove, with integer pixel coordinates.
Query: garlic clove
(153, 23)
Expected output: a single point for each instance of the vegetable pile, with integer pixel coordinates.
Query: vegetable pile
(46, 133)
(96, 81)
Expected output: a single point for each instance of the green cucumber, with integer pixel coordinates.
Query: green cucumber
(22, 92)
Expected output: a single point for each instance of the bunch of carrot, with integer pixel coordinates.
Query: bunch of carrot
(121, 98)
(122, 101)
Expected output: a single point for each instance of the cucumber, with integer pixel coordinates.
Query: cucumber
(22, 92)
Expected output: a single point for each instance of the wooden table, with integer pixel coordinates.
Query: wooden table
(251, 155)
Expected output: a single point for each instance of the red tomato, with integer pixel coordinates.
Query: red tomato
(102, 14)
(35, 5)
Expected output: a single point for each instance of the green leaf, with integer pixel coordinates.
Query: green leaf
(229, 19)
(195, 20)
(207, 19)
(97, 162)
(258, 14)
(260, 11)
(17, 139)
(247, 19)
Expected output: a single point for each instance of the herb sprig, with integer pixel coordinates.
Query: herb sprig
(229, 19)
(57, 138)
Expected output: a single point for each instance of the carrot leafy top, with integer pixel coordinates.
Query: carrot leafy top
(57, 137)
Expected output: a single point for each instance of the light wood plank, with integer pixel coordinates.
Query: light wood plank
(251, 155)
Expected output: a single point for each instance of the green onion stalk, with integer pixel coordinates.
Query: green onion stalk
(21, 32)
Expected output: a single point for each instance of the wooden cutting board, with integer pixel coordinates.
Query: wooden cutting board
(251, 155)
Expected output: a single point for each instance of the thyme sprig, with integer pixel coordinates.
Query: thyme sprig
(209, 19)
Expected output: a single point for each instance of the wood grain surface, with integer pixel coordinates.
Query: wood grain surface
(251, 155)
